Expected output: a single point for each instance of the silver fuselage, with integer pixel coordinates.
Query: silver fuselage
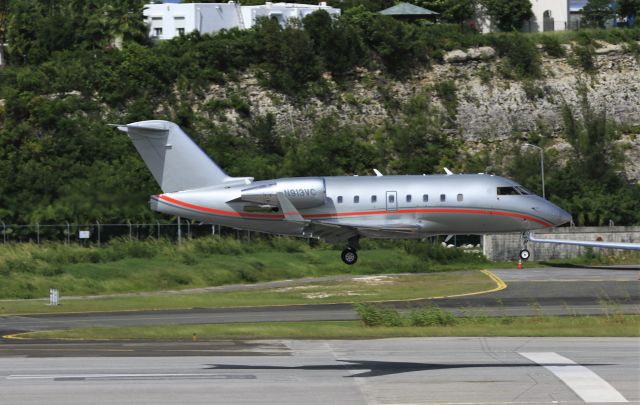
(378, 206)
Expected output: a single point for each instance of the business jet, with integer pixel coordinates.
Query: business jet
(339, 210)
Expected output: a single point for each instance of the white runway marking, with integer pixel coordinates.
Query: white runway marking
(585, 383)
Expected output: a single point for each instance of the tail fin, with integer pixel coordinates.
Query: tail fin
(175, 161)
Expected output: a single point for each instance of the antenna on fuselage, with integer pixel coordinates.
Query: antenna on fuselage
(449, 172)
(377, 172)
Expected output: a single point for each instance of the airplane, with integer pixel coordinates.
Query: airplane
(337, 209)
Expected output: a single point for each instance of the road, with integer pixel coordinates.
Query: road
(548, 291)
(452, 371)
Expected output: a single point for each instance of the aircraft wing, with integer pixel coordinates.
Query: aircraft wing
(594, 244)
(337, 232)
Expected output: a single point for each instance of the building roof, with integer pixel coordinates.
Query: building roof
(407, 9)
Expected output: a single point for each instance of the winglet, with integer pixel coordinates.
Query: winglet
(290, 212)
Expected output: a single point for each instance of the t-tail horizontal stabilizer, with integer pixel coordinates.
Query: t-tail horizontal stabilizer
(605, 245)
(175, 161)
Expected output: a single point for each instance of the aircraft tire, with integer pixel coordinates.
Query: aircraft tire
(349, 256)
(525, 254)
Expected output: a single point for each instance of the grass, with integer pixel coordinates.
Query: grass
(360, 289)
(574, 326)
(127, 266)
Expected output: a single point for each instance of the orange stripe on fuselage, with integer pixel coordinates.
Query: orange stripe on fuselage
(357, 213)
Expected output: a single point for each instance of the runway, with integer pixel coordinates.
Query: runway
(452, 371)
(548, 291)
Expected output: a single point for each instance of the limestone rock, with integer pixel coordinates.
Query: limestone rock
(481, 53)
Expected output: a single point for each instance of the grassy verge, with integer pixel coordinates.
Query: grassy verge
(127, 266)
(359, 289)
(600, 326)
(131, 266)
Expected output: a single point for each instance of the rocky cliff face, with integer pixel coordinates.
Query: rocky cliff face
(489, 108)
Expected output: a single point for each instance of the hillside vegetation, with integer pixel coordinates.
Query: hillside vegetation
(66, 80)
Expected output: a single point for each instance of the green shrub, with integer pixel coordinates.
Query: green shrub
(447, 94)
(429, 252)
(532, 91)
(552, 46)
(583, 56)
(289, 245)
(431, 316)
(520, 57)
(216, 245)
(378, 315)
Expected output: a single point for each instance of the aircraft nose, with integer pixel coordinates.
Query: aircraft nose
(562, 217)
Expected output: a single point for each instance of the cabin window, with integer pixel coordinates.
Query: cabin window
(408, 198)
(339, 199)
(356, 199)
(425, 197)
(392, 198)
(374, 198)
(460, 197)
(523, 190)
(443, 197)
(508, 191)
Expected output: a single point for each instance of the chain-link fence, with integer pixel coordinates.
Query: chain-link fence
(97, 232)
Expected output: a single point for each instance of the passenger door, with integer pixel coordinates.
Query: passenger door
(392, 201)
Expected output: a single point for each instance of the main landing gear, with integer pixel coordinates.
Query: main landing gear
(349, 254)
(524, 253)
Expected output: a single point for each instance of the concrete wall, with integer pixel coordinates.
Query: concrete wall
(507, 246)
(558, 9)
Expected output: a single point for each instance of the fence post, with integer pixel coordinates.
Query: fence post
(130, 230)
(98, 223)
(68, 232)
(188, 228)
(158, 223)
(213, 230)
(37, 233)
(179, 232)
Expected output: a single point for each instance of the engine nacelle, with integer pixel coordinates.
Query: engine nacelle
(302, 192)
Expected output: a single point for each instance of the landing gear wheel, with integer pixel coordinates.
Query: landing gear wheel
(525, 254)
(349, 256)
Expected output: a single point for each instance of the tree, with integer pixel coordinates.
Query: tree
(629, 8)
(337, 43)
(454, 11)
(508, 15)
(4, 18)
(597, 13)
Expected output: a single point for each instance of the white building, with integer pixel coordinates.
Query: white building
(548, 15)
(169, 20)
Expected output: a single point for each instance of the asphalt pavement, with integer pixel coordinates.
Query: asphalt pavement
(544, 291)
(416, 371)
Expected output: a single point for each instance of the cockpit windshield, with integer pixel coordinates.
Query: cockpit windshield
(523, 190)
(514, 190)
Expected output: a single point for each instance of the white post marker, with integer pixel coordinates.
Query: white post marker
(585, 383)
(54, 297)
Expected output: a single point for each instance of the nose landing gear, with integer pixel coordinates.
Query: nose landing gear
(524, 253)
